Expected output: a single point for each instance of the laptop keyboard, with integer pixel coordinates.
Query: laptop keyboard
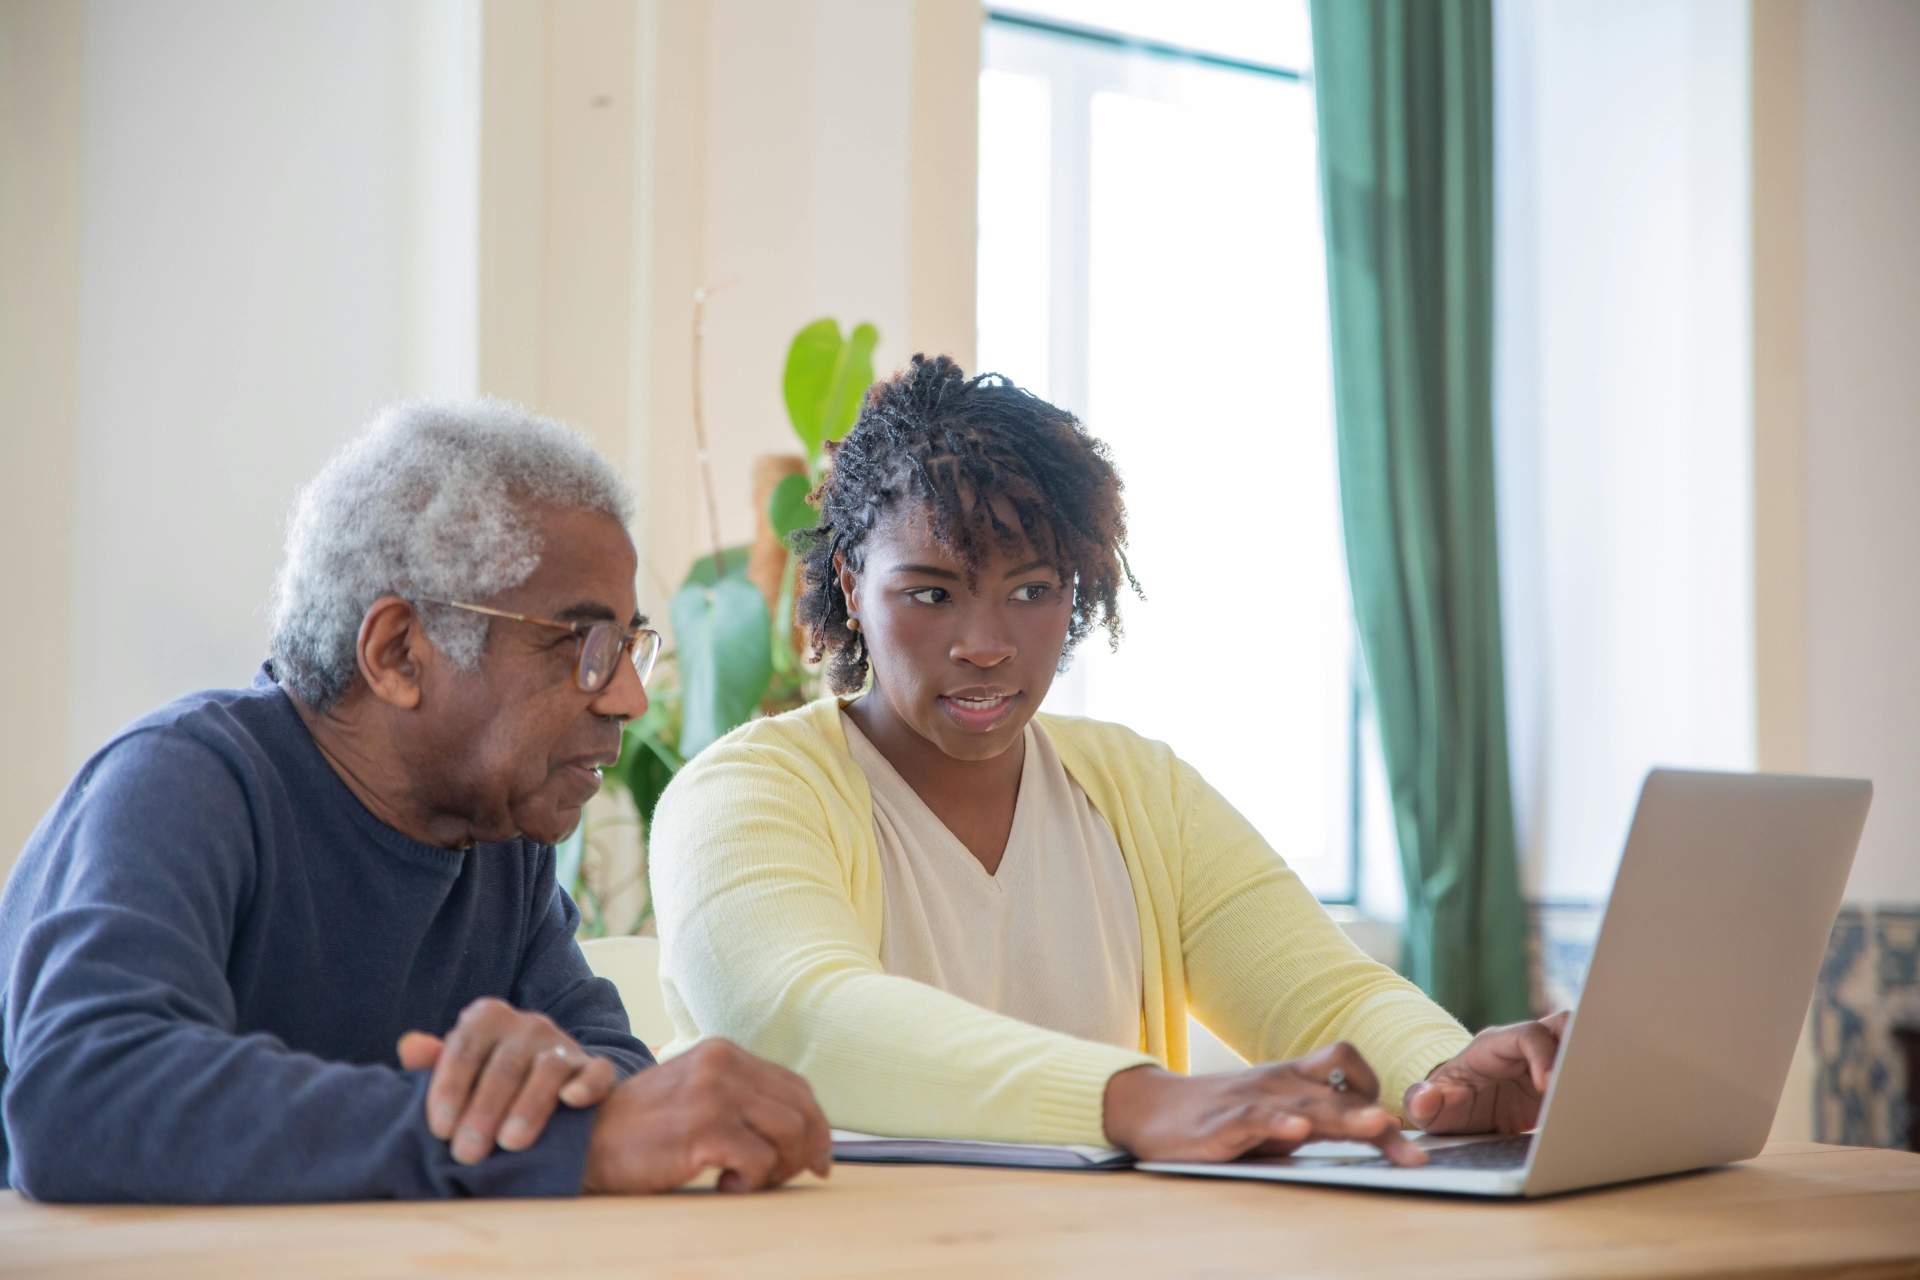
(1493, 1154)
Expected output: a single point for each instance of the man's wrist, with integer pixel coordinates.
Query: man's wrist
(600, 1139)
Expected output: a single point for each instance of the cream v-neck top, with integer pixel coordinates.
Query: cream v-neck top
(1051, 938)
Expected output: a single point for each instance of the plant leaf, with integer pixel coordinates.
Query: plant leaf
(647, 779)
(853, 378)
(811, 358)
(652, 734)
(567, 855)
(733, 561)
(724, 640)
(647, 761)
(788, 509)
(593, 923)
(825, 380)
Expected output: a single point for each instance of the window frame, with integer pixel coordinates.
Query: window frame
(1073, 84)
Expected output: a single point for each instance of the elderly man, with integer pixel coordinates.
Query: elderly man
(303, 941)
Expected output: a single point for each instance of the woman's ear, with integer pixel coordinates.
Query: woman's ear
(392, 649)
(849, 584)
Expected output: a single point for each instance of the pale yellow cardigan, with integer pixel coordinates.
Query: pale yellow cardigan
(767, 883)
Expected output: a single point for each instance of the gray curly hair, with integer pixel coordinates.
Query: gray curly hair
(432, 501)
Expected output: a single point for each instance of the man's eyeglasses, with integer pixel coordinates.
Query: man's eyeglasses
(601, 644)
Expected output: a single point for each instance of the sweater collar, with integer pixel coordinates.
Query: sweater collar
(1072, 742)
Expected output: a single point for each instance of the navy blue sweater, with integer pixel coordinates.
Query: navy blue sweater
(208, 949)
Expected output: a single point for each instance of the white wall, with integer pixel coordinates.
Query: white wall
(1623, 411)
(232, 229)
(558, 273)
(263, 244)
(41, 59)
(1861, 423)
(807, 158)
(1679, 234)
(247, 224)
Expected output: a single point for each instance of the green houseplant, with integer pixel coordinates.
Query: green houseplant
(731, 656)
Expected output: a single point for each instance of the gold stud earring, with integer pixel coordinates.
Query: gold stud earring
(853, 624)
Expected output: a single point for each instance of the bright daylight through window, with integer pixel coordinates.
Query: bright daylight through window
(1152, 258)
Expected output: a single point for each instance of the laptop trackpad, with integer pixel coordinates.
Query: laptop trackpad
(1501, 1151)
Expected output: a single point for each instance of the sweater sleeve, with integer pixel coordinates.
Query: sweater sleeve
(762, 943)
(1271, 973)
(127, 1078)
(555, 980)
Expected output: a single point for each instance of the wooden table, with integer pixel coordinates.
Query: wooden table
(1799, 1209)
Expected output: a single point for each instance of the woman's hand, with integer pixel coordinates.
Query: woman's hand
(1264, 1110)
(1494, 1085)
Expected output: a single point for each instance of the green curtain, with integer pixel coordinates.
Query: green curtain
(1405, 96)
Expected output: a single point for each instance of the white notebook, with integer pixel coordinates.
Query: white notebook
(866, 1148)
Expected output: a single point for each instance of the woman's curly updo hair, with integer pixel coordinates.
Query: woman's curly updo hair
(933, 437)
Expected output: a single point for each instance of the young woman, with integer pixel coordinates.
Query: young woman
(958, 918)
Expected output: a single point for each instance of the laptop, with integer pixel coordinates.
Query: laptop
(1695, 996)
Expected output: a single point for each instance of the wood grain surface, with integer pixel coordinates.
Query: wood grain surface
(1799, 1209)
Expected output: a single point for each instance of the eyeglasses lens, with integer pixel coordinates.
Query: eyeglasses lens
(599, 650)
(646, 648)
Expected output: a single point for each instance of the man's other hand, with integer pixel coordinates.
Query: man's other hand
(716, 1106)
(498, 1075)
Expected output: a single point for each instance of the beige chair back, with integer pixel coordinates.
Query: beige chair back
(633, 965)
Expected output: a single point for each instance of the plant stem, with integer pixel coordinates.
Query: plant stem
(786, 659)
(700, 432)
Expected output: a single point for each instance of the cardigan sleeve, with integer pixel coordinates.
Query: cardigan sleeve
(759, 900)
(1271, 973)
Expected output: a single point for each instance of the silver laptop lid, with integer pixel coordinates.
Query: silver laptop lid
(1701, 977)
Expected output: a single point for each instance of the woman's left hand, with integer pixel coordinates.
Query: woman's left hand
(1494, 1085)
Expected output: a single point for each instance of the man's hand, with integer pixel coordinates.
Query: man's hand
(716, 1106)
(1494, 1085)
(1267, 1110)
(498, 1076)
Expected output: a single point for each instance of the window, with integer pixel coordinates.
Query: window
(1152, 258)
